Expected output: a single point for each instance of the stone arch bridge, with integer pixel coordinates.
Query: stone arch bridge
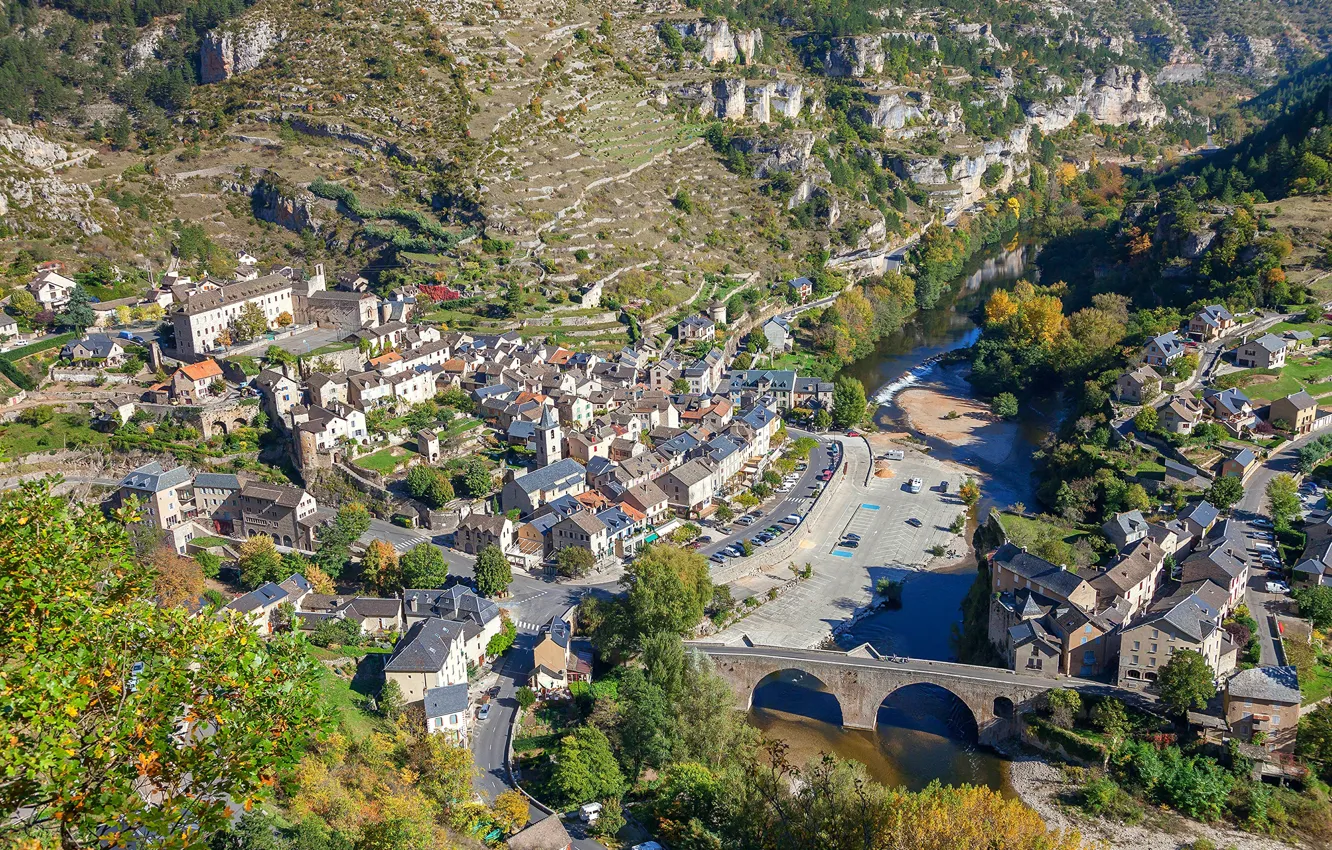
(861, 680)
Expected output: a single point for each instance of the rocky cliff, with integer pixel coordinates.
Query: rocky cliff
(854, 56)
(236, 49)
(1121, 95)
(958, 180)
(720, 44)
(735, 99)
(292, 209)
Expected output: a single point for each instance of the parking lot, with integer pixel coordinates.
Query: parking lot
(879, 513)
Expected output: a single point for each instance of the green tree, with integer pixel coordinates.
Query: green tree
(645, 724)
(585, 768)
(493, 573)
(849, 402)
(667, 589)
(1064, 703)
(390, 700)
(336, 538)
(1185, 682)
(1110, 717)
(724, 513)
(575, 561)
(209, 563)
(1136, 498)
(1005, 406)
(1283, 500)
(458, 399)
(259, 561)
(430, 485)
(526, 697)
(1147, 419)
(822, 419)
(476, 479)
(24, 303)
(1314, 738)
(424, 566)
(86, 734)
(679, 386)
(78, 314)
(969, 492)
(381, 568)
(501, 642)
(1225, 492)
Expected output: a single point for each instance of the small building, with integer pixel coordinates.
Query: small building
(477, 531)
(1125, 528)
(427, 445)
(1240, 465)
(690, 487)
(1138, 386)
(554, 661)
(166, 495)
(778, 333)
(194, 381)
(1231, 408)
(1163, 350)
(8, 326)
(1298, 411)
(1211, 322)
(547, 834)
(696, 329)
(528, 492)
(1266, 352)
(448, 712)
(51, 289)
(802, 288)
(1262, 706)
(429, 655)
(95, 349)
(1176, 623)
(1180, 414)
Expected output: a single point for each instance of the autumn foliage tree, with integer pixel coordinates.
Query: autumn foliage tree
(178, 579)
(91, 751)
(380, 569)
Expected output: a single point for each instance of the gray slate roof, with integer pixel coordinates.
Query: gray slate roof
(548, 476)
(424, 648)
(450, 699)
(1037, 569)
(1268, 684)
(154, 479)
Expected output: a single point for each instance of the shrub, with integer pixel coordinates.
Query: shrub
(1103, 797)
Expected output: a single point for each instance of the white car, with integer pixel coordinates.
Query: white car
(916, 485)
(1277, 587)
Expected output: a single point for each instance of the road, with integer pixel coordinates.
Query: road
(797, 501)
(1263, 605)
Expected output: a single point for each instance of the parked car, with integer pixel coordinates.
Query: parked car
(792, 519)
(853, 433)
(943, 486)
(718, 558)
(915, 522)
(1278, 587)
(852, 536)
(916, 485)
(1262, 522)
(850, 544)
(707, 538)
(483, 712)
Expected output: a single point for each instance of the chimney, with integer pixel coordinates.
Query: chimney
(412, 604)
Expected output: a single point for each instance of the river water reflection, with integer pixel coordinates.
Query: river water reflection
(924, 733)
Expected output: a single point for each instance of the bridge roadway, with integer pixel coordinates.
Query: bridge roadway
(861, 680)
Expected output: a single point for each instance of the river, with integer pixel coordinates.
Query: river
(924, 733)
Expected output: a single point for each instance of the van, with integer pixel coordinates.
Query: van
(793, 519)
(917, 485)
(589, 812)
(893, 454)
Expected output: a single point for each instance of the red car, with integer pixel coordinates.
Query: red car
(853, 433)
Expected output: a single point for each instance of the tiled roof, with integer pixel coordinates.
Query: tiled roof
(424, 648)
(548, 476)
(202, 371)
(450, 699)
(1268, 684)
(152, 478)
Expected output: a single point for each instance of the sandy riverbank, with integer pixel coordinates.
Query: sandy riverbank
(1040, 785)
(973, 431)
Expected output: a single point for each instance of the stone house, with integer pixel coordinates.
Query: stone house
(448, 712)
(95, 349)
(166, 496)
(1125, 528)
(566, 477)
(1297, 410)
(1266, 352)
(1180, 414)
(1211, 322)
(1163, 350)
(478, 531)
(429, 655)
(1264, 701)
(280, 511)
(555, 660)
(194, 381)
(1138, 386)
(696, 329)
(1180, 622)
(689, 488)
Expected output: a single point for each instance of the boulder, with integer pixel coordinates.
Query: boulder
(235, 49)
(292, 209)
(1123, 95)
(30, 148)
(1196, 243)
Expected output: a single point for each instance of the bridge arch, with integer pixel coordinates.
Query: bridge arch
(930, 707)
(797, 691)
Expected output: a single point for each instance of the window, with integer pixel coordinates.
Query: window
(1152, 662)
(1153, 647)
(1135, 659)
(1135, 644)
(1155, 634)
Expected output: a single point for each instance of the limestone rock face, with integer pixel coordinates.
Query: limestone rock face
(1182, 72)
(730, 98)
(929, 40)
(1261, 59)
(854, 56)
(1196, 243)
(144, 51)
(293, 210)
(792, 154)
(978, 32)
(890, 111)
(31, 149)
(236, 49)
(720, 44)
(958, 179)
(1123, 95)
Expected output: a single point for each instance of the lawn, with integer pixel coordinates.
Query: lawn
(63, 431)
(345, 700)
(1045, 536)
(1312, 373)
(461, 425)
(1315, 669)
(383, 461)
(331, 348)
(208, 542)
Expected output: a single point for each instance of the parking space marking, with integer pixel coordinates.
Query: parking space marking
(841, 553)
(870, 507)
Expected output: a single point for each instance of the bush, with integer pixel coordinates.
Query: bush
(340, 632)
(1103, 797)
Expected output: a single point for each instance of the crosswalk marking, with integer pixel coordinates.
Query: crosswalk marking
(528, 627)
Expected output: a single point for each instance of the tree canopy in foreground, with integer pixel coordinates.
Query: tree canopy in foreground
(94, 750)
